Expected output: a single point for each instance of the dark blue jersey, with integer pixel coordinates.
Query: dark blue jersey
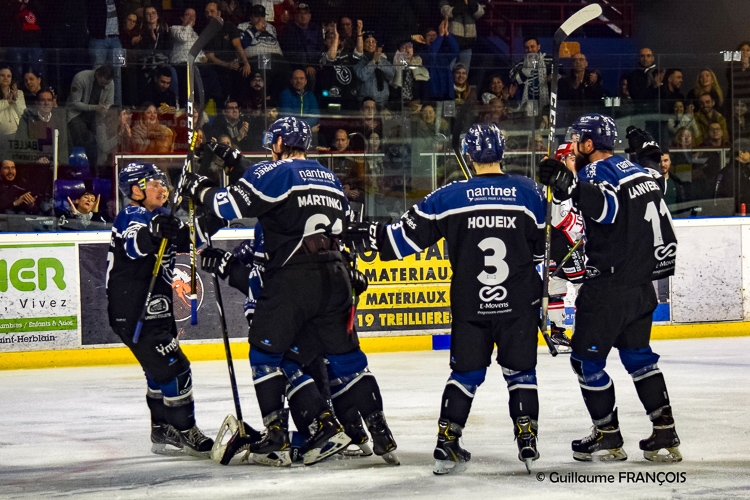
(131, 260)
(494, 228)
(630, 239)
(291, 198)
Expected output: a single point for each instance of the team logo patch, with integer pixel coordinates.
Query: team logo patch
(343, 75)
(665, 252)
(492, 293)
(181, 292)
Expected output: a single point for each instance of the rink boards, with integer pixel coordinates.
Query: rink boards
(53, 300)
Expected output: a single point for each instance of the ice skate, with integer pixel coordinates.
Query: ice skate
(604, 444)
(383, 443)
(328, 437)
(663, 437)
(526, 432)
(450, 457)
(560, 339)
(274, 447)
(360, 445)
(165, 439)
(195, 443)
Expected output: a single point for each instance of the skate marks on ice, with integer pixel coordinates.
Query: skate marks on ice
(84, 433)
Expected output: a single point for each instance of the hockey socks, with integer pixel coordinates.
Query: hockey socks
(456, 403)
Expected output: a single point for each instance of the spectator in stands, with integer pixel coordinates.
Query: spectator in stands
(644, 81)
(283, 14)
(371, 121)
(92, 92)
(12, 106)
(533, 75)
(734, 179)
(738, 74)
(150, 136)
(225, 52)
(674, 191)
(337, 84)
(233, 12)
(740, 120)
(161, 95)
(257, 101)
(429, 124)
(130, 33)
(296, 100)
(465, 93)
(498, 90)
(706, 83)
(302, 42)
(682, 118)
(462, 16)
(715, 137)
(411, 76)
(348, 38)
(580, 84)
(15, 198)
(350, 173)
(233, 124)
(269, 6)
(669, 92)
(708, 115)
(496, 111)
(32, 84)
(114, 134)
(85, 209)
(259, 40)
(183, 37)
(23, 34)
(683, 138)
(154, 49)
(36, 129)
(102, 24)
(374, 70)
(440, 49)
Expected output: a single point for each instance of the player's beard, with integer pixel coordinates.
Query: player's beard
(581, 160)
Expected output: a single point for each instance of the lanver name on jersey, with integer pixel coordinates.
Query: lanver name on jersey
(490, 192)
(484, 221)
(643, 188)
(319, 199)
(317, 174)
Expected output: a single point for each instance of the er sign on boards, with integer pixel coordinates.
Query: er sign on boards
(39, 296)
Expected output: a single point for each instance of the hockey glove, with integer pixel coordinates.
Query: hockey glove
(208, 225)
(643, 145)
(216, 261)
(359, 281)
(556, 175)
(363, 236)
(245, 252)
(194, 186)
(230, 156)
(164, 226)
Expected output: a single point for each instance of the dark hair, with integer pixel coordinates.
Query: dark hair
(664, 150)
(669, 72)
(529, 38)
(368, 98)
(105, 71)
(163, 71)
(44, 91)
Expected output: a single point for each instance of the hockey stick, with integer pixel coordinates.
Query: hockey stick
(208, 34)
(566, 258)
(574, 22)
(223, 453)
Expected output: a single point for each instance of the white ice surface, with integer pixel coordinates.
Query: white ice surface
(84, 433)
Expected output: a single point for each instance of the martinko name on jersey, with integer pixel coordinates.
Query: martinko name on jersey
(493, 226)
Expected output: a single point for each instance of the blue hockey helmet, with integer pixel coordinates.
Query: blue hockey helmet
(601, 129)
(138, 174)
(294, 133)
(484, 143)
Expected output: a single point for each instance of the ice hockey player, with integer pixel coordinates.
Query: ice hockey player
(493, 225)
(630, 241)
(136, 236)
(567, 230)
(302, 208)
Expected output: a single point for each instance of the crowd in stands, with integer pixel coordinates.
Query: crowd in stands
(369, 78)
